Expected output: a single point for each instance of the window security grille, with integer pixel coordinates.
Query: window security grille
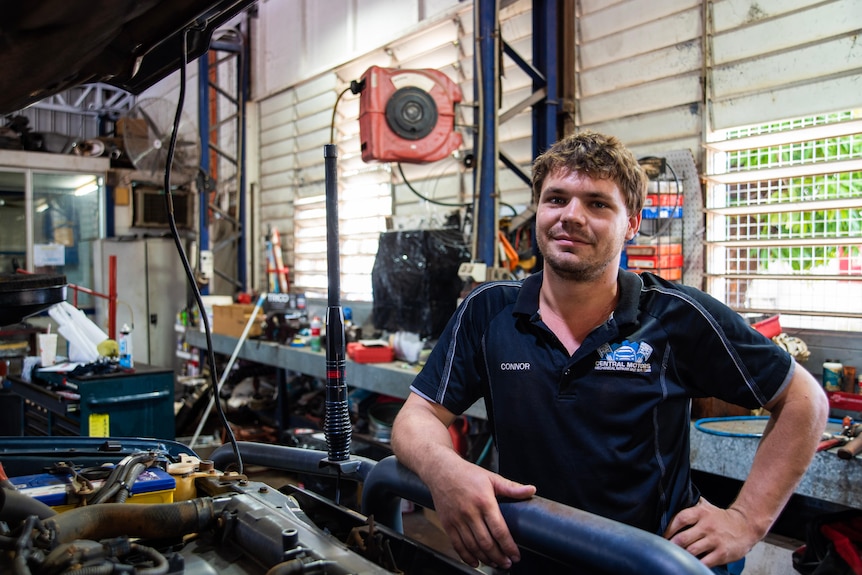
(784, 220)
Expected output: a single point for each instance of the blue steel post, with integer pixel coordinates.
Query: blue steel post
(244, 89)
(204, 127)
(486, 71)
(545, 46)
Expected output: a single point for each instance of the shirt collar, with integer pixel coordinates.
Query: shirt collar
(629, 283)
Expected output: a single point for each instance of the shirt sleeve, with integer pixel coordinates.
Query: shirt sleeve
(454, 375)
(720, 355)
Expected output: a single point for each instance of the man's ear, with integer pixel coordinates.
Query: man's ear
(634, 226)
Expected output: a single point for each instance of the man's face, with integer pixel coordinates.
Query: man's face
(582, 225)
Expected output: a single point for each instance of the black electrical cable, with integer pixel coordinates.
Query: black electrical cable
(334, 108)
(427, 199)
(186, 267)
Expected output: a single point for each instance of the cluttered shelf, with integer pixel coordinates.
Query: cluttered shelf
(390, 378)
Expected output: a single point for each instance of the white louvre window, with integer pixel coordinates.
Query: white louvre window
(363, 207)
(784, 220)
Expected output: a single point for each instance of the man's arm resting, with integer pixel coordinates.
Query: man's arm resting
(464, 494)
(788, 445)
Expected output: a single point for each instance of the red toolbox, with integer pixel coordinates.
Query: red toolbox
(361, 353)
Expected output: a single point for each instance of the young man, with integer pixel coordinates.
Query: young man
(587, 372)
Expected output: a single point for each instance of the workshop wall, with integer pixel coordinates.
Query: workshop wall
(295, 123)
(658, 75)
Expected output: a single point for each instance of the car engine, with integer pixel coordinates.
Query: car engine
(214, 522)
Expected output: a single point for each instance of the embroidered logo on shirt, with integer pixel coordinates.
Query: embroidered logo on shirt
(626, 356)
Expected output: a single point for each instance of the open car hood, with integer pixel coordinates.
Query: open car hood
(48, 46)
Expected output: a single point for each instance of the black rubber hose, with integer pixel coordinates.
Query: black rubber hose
(128, 482)
(285, 458)
(15, 507)
(96, 522)
(596, 544)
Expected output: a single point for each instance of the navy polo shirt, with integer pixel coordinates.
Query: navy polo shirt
(605, 430)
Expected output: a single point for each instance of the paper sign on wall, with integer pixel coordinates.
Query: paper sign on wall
(49, 255)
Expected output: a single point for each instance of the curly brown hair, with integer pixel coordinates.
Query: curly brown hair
(600, 157)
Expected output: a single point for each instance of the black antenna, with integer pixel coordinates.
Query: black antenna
(336, 423)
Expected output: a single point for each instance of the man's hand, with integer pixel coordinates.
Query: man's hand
(716, 536)
(465, 498)
(465, 495)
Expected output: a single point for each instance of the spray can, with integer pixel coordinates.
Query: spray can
(125, 345)
(315, 334)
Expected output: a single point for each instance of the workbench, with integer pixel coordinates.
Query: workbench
(134, 403)
(392, 378)
(720, 464)
(829, 478)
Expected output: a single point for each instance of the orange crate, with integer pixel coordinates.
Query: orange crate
(655, 262)
(653, 250)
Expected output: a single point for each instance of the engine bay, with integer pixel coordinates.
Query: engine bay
(126, 507)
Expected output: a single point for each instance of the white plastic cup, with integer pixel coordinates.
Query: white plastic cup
(47, 348)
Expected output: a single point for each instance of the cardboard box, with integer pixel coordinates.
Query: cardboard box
(232, 319)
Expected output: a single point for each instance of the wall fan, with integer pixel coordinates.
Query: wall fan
(147, 133)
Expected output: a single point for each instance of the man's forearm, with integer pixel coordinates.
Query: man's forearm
(784, 454)
(420, 440)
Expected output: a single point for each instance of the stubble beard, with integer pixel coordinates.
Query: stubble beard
(577, 271)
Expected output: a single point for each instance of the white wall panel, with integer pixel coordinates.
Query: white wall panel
(302, 39)
(639, 68)
(821, 97)
(774, 59)
(803, 65)
(684, 58)
(654, 96)
(636, 40)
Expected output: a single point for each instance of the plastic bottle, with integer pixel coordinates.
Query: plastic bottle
(833, 375)
(125, 345)
(315, 334)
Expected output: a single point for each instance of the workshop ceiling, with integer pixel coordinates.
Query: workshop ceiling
(48, 46)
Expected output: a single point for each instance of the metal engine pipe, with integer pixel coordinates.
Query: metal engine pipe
(570, 535)
(147, 521)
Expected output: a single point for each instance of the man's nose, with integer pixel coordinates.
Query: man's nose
(573, 212)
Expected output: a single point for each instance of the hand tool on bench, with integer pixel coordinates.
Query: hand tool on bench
(852, 448)
(830, 440)
(849, 430)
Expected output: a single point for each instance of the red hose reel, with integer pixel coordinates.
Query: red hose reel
(408, 115)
